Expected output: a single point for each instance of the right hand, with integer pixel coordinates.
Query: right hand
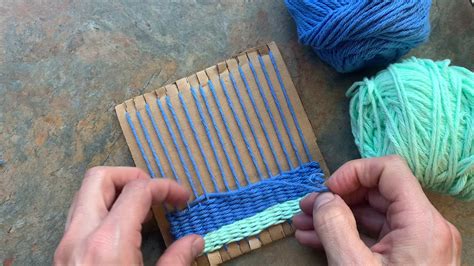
(387, 202)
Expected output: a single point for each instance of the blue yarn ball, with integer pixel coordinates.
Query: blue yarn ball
(350, 35)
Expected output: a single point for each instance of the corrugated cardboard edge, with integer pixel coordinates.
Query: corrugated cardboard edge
(273, 233)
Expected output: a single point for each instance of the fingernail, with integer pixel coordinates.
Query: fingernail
(326, 182)
(323, 199)
(311, 196)
(197, 246)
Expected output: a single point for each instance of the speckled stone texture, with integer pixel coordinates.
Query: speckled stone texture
(64, 65)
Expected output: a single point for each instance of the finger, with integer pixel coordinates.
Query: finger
(306, 204)
(369, 219)
(456, 243)
(132, 206)
(369, 196)
(336, 229)
(149, 216)
(96, 195)
(356, 197)
(308, 238)
(303, 221)
(389, 174)
(377, 201)
(183, 251)
(70, 212)
(368, 241)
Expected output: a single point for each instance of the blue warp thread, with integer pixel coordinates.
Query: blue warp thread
(250, 124)
(150, 144)
(290, 107)
(196, 138)
(229, 132)
(209, 137)
(239, 124)
(259, 117)
(350, 35)
(162, 143)
(185, 143)
(280, 111)
(175, 143)
(140, 146)
(219, 136)
(219, 209)
(272, 118)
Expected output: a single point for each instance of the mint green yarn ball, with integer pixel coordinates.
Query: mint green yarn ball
(423, 111)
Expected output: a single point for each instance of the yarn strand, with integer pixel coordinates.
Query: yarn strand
(423, 111)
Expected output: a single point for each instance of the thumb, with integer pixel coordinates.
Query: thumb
(336, 228)
(183, 251)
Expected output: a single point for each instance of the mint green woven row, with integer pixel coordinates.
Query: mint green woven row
(251, 226)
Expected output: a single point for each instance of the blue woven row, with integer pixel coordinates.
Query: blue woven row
(207, 214)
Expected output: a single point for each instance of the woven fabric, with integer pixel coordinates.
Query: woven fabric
(205, 215)
(251, 226)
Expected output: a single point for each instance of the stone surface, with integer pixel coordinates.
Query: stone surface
(64, 65)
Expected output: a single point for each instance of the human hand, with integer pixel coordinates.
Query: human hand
(387, 202)
(106, 216)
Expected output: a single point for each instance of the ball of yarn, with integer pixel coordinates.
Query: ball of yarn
(352, 34)
(423, 111)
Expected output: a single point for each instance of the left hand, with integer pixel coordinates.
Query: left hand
(105, 220)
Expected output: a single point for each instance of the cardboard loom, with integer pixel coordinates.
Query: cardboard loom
(214, 73)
